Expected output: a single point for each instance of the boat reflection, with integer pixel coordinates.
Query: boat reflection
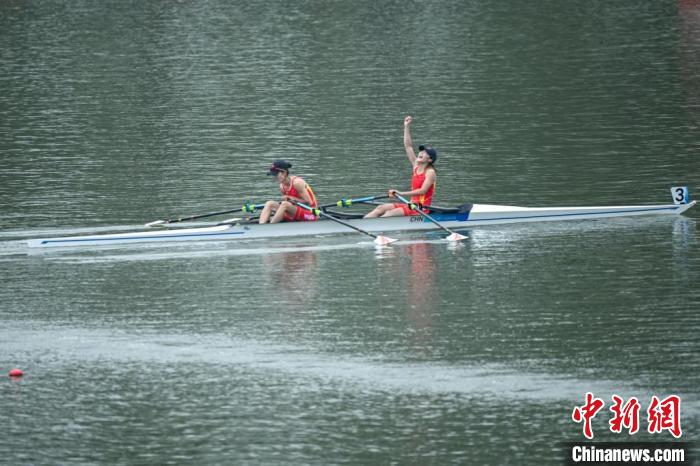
(293, 276)
(413, 265)
(423, 299)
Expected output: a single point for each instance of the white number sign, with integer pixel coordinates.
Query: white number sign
(680, 194)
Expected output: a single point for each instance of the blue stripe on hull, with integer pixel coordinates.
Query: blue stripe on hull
(460, 217)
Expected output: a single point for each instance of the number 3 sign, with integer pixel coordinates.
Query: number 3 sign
(680, 194)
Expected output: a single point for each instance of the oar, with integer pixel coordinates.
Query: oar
(246, 208)
(350, 202)
(453, 236)
(250, 208)
(359, 200)
(378, 239)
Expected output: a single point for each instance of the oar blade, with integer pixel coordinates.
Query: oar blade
(456, 237)
(155, 223)
(382, 240)
(230, 221)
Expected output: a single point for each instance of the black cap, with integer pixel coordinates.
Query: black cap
(278, 166)
(432, 153)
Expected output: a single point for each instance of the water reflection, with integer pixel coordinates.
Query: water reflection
(422, 295)
(458, 246)
(683, 239)
(293, 276)
(385, 252)
(413, 264)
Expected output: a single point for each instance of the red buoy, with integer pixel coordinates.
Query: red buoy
(16, 373)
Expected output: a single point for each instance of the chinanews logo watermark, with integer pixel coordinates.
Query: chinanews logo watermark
(661, 417)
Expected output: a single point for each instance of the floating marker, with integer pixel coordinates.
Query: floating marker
(16, 373)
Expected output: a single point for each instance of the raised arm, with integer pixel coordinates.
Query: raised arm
(407, 141)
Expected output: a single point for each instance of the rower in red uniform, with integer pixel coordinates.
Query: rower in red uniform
(292, 188)
(422, 182)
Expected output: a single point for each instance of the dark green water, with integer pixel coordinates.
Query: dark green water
(327, 350)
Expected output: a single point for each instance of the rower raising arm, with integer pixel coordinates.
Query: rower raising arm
(422, 182)
(408, 141)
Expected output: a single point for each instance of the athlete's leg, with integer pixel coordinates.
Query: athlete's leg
(395, 212)
(270, 206)
(380, 210)
(285, 207)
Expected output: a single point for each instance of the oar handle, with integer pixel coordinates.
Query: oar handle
(314, 210)
(358, 200)
(250, 208)
(410, 204)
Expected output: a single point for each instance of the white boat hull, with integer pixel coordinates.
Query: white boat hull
(480, 214)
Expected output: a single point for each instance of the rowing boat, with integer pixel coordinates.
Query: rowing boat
(466, 216)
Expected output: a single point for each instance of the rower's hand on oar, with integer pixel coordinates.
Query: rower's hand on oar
(393, 193)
